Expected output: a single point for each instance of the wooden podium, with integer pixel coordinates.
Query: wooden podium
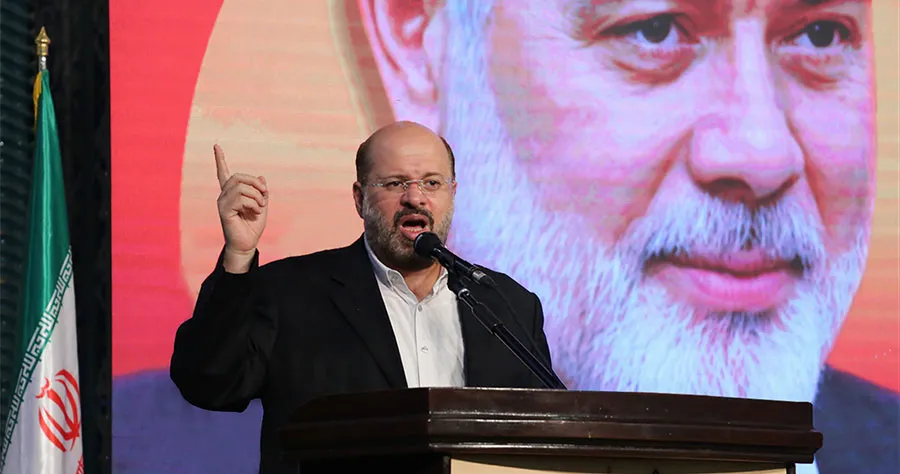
(493, 431)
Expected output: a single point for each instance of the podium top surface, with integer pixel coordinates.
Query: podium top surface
(552, 422)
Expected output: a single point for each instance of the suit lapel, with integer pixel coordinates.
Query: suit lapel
(355, 292)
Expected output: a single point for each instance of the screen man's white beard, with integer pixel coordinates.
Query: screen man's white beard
(608, 329)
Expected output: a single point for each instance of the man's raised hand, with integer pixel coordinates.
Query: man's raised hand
(243, 206)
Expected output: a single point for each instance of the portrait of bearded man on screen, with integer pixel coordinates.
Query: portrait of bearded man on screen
(689, 188)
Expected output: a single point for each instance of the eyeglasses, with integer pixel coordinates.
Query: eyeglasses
(427, 185)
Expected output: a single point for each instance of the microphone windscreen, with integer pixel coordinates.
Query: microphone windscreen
(425, 243)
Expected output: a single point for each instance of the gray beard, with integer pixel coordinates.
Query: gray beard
(608, 328)
(390, 246)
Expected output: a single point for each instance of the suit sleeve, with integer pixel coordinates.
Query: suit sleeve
(221, 353)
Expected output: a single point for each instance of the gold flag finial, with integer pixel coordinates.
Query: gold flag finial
(43, 48)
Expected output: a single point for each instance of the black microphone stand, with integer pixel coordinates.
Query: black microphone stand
(496, 327)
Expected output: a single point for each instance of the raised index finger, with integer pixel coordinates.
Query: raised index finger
(221, 166)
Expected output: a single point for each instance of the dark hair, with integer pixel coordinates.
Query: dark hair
(364, 160)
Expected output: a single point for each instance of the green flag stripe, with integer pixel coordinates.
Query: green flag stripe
(49, 231)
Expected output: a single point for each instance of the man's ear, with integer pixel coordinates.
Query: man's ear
(358, 198)
(407, 42)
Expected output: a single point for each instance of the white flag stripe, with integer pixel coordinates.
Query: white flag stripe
(43, 431)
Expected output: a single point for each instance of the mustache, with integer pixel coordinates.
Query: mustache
(706, 226)
(419, 211)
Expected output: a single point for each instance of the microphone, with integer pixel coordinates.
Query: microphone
(428, 244)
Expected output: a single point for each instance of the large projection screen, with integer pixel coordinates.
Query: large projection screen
(588, 135)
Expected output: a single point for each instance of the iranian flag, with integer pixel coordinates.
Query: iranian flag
(43, 431)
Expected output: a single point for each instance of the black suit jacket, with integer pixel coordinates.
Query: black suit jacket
(302, 327)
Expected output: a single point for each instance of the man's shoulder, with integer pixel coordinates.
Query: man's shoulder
(839, 389)
(314, 261)
(860, 422)
(504, 281)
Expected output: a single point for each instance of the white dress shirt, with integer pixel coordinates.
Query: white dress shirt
(428, 332)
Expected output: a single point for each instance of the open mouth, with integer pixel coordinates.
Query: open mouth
(411, 225)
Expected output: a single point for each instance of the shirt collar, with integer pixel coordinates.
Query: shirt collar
(391, 277)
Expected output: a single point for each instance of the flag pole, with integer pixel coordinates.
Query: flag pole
(42, 43)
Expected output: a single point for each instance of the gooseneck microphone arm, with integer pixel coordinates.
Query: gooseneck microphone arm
(428, 244)
(493, 324)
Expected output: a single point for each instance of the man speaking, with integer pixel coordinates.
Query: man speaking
(371, 316)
